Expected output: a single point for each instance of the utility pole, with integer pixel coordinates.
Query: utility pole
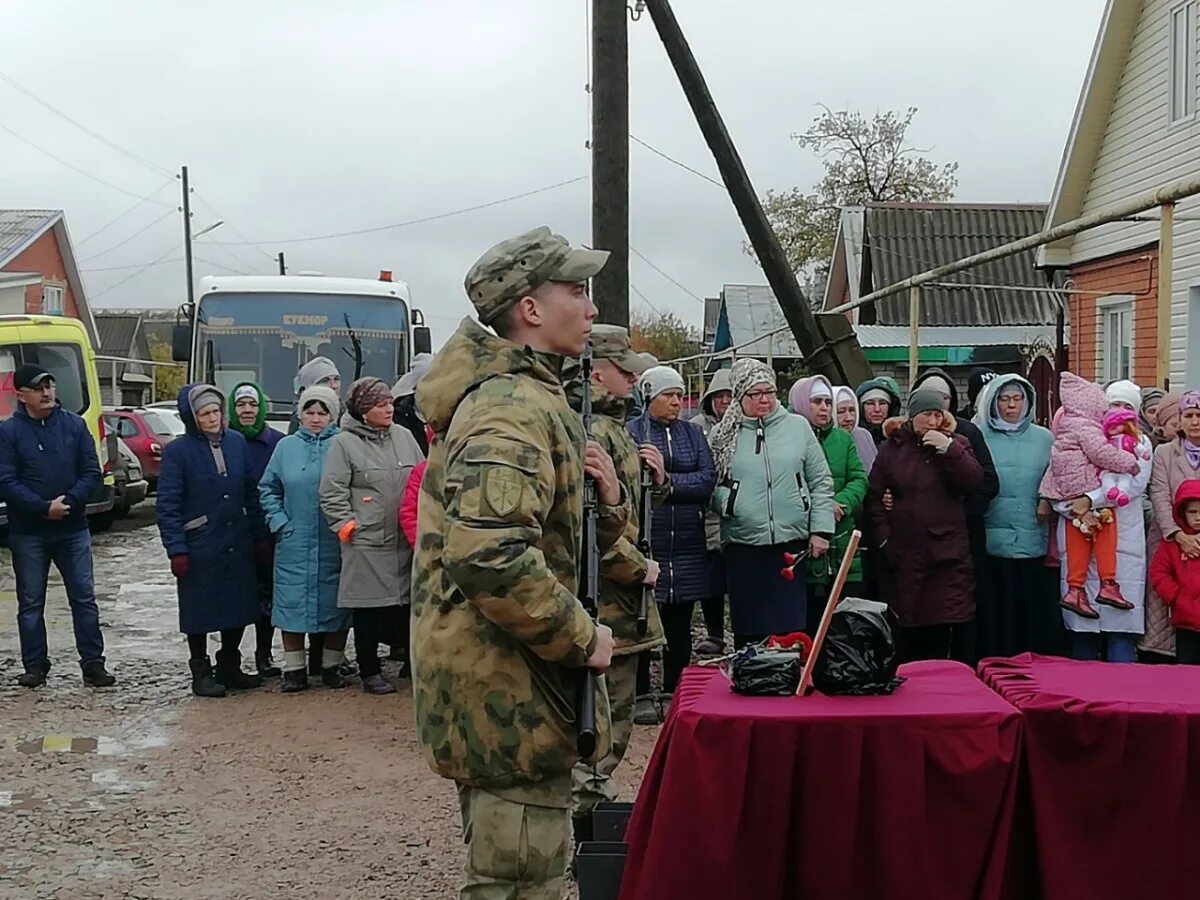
(610, 158)
(835, 355)
(282, 264)
(187, 237)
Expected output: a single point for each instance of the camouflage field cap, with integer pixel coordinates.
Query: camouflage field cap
(611, 342)
(513, 268)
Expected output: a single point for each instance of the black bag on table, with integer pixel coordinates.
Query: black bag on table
(757, 672)
(859, 655)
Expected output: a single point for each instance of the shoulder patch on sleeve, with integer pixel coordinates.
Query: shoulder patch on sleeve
(502, 486)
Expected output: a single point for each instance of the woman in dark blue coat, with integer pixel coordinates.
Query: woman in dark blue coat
(212, 526)
(677, 536)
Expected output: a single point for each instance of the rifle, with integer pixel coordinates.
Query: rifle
(589, 581)
(647, 485)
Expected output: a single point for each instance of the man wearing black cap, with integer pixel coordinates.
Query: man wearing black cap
(48, 469)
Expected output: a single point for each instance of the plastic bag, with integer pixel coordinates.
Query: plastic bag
(859, 655)
(759, 672)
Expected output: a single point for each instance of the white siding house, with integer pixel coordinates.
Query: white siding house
(1135, 129)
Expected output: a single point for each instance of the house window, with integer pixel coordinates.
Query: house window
(52, 300)
(1117, 334)
(1182, 89)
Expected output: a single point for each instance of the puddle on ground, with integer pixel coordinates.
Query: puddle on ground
(126, 745)
(19, 800)
(114, 781)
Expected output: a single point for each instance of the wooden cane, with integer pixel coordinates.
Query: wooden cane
(835, 596)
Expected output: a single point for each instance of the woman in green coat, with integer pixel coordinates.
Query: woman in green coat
(813, 399)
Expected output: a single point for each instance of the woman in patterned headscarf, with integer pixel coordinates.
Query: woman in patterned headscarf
(775, 496)
(362, 486)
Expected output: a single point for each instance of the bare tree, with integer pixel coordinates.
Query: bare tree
(865, 160)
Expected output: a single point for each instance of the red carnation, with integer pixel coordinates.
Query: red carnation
(787, 574)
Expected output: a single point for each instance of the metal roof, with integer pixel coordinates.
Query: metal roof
(752, 311)
(117, 333)
(20, 227)
(879, 336)
(905, 239)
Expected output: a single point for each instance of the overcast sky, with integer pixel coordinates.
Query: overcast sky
(304, 118)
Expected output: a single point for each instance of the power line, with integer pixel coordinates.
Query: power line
(644, 259)
(75, 168)
(113, 222)
(161, 262)
(420, 221)
(101, 138)
(127, 279)
(633, 287)
(671, 159)
(236, 234)
(144, 228)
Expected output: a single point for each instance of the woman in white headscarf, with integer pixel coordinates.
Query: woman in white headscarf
(775, 497)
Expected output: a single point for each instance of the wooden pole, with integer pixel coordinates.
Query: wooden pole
(914, 334)
(610, 158)
(1166, 254)
(843, 364)
(835, 597)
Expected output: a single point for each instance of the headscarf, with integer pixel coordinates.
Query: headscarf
(1190, 400)
(1168, 407)
(365, 394)
(998, 422)
(323, 394)
(841, 394)
(254, 392)
(744, 375)
(1124, 392)
(409, 380)
(200, 398)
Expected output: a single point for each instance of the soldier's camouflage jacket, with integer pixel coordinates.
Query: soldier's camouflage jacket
(623, 567)
(499, 636)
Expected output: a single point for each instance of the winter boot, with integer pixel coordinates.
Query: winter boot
(377, 684)
(1110, 595)
(645, 711)
(295, 680)
(1075, 600)
(265, 665)
(32, 678)
(229, 672)
(203, 683)
(95, 675)
(332, 662)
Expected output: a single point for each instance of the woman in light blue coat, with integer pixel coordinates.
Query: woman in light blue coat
(308, 559)
(1017, 601)
(775, 497)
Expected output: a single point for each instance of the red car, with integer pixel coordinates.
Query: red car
(146, 432)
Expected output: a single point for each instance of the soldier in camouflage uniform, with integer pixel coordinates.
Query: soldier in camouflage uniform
(500, 639)
(624, 570)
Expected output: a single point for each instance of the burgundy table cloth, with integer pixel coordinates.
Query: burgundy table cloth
(1112, 755)
(907, 797)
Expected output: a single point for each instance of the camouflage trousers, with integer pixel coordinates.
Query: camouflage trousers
(515, 850)
(591, 785)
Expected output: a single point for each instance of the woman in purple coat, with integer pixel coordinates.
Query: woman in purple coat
(929, 580)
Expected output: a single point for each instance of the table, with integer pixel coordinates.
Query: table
(1112, 756)
(904, 797)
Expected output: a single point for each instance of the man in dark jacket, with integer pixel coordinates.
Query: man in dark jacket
(976, 502)
(980, 375)
(48, 470)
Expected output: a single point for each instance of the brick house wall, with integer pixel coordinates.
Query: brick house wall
(1133, 274)
(45, 257)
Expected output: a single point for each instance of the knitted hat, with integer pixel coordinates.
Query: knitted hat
(926, 400)
(979, 376)
(658, 380)
(323, 395)
(1124, 392)
(745, 374)
(315, 371)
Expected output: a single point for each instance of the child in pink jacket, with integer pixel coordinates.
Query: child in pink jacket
(1080, 456)
(412, 494)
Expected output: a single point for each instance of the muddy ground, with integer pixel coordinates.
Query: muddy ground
(143, 791)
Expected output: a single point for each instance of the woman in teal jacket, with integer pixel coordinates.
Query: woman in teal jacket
(812, 398)
(308, 558)
(775, 496)
(1017, 600)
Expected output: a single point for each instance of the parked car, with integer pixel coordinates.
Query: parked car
(130, 488)
(146, 431)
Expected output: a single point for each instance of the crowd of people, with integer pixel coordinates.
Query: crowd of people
(451, 504)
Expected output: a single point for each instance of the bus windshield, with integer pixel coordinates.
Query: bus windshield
(267, 337)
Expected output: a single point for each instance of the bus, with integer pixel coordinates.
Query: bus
(263, 328)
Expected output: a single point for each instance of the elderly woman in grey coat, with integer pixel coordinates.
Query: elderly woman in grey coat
(361, 488)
